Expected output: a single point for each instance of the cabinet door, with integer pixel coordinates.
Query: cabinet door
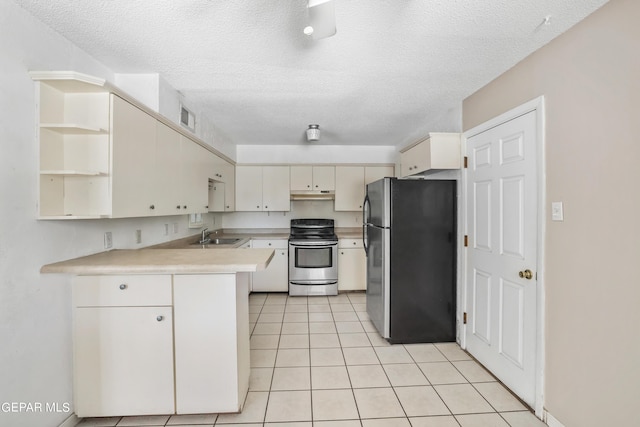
(195, 180)
(133, 145)
(415, 159)
(351, 270)
(249, 188)
(229, 187)
(168, 171)
(211, 342)
(275, 278)
(123, 361)
(350, 188)
(324, 178)
(216, 196)
(374, 173)
(275, 188)
(301, 178)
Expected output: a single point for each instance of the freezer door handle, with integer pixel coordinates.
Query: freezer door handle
(365, 217)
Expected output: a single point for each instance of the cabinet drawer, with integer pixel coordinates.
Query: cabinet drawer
(119, 291)
(349, 243)
(269, 243)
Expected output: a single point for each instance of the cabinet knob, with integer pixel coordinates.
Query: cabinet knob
(316, 185)
(227, 207)
(184, 207)
(160, 318)
(258, 207)
(206, 207)
(342, 252)
(354, 243)
(178, 207)
(123, 286)
(152, 207)
(269, 244)
(266, 207)
(308, 186)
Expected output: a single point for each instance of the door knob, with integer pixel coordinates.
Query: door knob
(527, 274)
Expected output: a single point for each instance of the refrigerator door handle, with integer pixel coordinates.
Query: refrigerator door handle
(365, 218)
(365, 239)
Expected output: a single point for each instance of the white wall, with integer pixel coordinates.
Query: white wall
(35, 309)
(589, 77)
(316, 154)
(299, 209)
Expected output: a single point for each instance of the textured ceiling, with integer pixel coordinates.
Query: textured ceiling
(395, 70)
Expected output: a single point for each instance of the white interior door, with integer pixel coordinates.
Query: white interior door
(501, 294)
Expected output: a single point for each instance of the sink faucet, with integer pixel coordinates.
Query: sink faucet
(204, 235)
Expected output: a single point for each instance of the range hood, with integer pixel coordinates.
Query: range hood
(312, 195)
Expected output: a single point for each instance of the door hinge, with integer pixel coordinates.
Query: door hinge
(464, 318)
(466, 241)
(465, 161)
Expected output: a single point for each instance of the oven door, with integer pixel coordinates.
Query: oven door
(313, 261)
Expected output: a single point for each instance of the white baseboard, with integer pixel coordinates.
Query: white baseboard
(72, 421)
(551, 421)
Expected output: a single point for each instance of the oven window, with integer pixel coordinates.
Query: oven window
(313, 257)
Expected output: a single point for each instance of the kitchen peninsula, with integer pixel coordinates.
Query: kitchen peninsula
(161, 331)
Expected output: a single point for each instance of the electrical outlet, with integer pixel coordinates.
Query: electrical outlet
(108, 240)
(175, 227)
(138, 236)
(166, 229)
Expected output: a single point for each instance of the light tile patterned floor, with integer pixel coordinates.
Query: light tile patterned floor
(319, 362)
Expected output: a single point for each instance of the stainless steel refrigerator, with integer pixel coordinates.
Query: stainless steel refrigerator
(410, 241)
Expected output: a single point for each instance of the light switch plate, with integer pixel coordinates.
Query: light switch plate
(557, 211)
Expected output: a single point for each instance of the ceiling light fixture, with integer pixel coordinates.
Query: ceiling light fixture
(313, 133)
(322, 19)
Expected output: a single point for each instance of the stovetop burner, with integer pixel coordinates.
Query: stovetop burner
(312, 229)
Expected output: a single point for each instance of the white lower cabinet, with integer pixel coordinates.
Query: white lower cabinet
(212, 356)
(123, 346)
(128, 328)
(275, 278)
(351, 265)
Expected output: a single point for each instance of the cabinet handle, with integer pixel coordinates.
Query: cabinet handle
(178, 207)
(152, 207)
(160, 318)
(123, 286)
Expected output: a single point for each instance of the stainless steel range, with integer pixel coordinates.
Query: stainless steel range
(313, 257)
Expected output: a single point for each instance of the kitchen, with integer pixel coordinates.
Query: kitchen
(36, 309)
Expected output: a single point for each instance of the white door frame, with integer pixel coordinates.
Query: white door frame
(537, 105)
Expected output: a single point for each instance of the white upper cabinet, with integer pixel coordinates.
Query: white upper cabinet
(439, 151)
(374, 173)
(104, 155)
(351, 184)
(308, 178)
(262, 188)
(133, 148)
(350, 188)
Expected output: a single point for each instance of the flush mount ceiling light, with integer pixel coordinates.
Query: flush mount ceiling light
(322, 19)
(313, 133)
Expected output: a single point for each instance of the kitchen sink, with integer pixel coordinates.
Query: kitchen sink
(218, 241)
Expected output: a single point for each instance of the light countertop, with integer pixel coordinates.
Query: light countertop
(169, 261)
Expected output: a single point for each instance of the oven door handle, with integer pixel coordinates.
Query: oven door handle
(316, 244)
(313, 284)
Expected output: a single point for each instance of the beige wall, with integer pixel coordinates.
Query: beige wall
(590, 77)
